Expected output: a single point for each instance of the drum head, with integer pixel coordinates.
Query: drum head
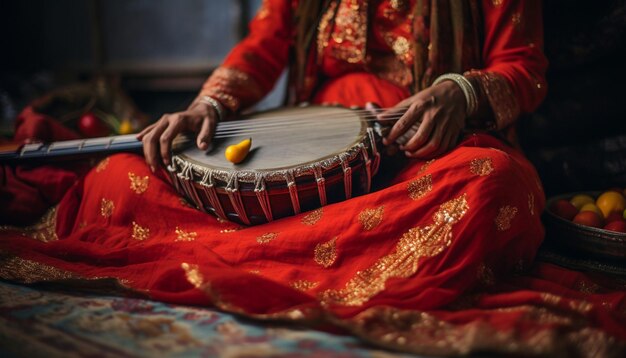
(283, 138)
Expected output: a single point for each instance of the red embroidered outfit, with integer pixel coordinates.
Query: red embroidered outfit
(415, 266)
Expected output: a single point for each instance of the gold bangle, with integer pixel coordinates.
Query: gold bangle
(219, 109)
(471, 98)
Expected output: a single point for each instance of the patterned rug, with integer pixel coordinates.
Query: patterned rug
(37, 322)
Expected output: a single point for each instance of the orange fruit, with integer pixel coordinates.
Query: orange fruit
(581, 199)
(610, 201)
(591, 207)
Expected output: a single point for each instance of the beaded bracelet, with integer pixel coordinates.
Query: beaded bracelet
(215, 104)
(471, 99)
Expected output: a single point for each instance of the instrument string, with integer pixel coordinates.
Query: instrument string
(257, 123)
(367, 114)
(276, 127)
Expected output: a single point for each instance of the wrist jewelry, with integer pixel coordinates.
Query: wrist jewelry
(219, 109)
(471, 99)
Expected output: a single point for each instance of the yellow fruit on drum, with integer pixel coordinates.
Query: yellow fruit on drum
(236, 153)
(611, 201)
(581, 199)
(591, 207)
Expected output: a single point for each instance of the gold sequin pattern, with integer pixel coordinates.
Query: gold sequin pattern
(425, 334)
(106, 207)
(588, 287)
(500, 95)
(371, 218)
(418, 242)
(266, 238)
(325, 253)
(139, 232)
(323, 30)
(44, 230)
(419, 187)
(505, 215)
(138, 184)
(550, 298)
(350, 31)
(15, 268)
(182, 235)
(232, 88)
(313, 217)
(425, 166)
(102, 165)
(481, 166)
(304, 285)
(193, 275)
(497, 3)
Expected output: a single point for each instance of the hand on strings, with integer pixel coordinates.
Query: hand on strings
(157, 138)
(429, 123)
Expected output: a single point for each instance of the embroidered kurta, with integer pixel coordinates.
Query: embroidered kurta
(443, 250)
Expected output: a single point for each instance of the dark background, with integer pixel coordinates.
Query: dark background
(160, 51)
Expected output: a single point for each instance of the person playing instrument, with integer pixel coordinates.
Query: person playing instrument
(411, 266)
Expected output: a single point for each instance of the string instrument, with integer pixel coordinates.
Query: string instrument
(302, 158)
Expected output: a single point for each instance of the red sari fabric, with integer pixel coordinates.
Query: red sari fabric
(438, 261)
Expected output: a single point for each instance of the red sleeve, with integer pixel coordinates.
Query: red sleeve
(513, 77)
(251, 69)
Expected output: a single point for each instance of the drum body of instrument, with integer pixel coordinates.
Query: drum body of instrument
(302, 158)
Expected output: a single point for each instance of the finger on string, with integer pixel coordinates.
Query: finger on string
(151, 143)
(168, 135)
(412, 115)
(422, 134)
(431, 147)
(144, 131)
(207, 130)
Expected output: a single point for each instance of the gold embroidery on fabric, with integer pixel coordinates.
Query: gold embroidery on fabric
(418, 242)
(102, 165)
(497, 3)
(371, 218)
(505, 215)
(266, 238)
(106, 208)
(304, 285)
(27, 271)
(531, 204)
(323, 30)
(44, 230)
(425, 334)
(182, 235)
(140, 233)
(255, 272)
(397, 4)
(138, 184)
(550, 298)
(501, 97)
(313, 217)
(350, 31)
(580, 306)
(228, 231)
(193, 275)
(425, 166)
(485, 275)
(420, 187)
(232, 88)
(325, 254)
(481, 166)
